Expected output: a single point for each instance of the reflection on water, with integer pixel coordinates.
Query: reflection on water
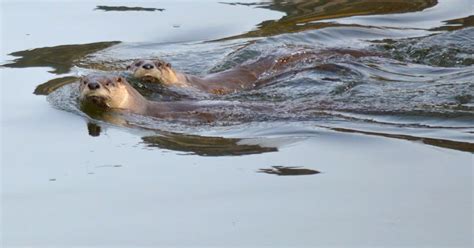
(93, 129)
(204, 146)
(125, 8)
(60, 58)
(288, 171)
(195, 144)
(190, 144)
(53, 84)
(456, 24)
(300, 14)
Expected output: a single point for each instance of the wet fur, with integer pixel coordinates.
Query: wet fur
(229, 81)
(115, 93)
(239, 78)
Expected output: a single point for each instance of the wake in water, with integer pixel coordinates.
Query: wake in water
(425, 83)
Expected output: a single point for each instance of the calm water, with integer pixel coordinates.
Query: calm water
(368, 142)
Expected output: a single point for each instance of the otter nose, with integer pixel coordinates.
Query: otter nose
(93, 86)
(147, 66)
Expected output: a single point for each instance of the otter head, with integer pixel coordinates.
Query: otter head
(153, 70)
(104, 91)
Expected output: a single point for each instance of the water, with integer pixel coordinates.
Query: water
(412, 82)
(367, 142)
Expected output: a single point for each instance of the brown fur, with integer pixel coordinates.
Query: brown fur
(229, 81)
(238, 78)
(115, 93)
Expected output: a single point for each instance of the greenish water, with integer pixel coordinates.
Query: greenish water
(367, 143)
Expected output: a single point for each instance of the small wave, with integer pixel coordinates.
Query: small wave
(451, 49)
(419, 84)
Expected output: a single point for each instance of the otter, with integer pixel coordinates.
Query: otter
(109, 92)
(225, 82)
(241, 77)
(238, 78)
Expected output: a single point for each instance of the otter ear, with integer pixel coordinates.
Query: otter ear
(120, 79)
(128, 67)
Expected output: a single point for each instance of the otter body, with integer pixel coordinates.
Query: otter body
(224, 82)
(241, 77)
(229, 81)
(115, 93)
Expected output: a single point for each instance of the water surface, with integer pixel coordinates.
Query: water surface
(368, 142)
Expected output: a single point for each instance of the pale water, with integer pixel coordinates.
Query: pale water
(340, 150)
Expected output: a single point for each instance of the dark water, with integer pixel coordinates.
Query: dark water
(366, 142)
(315, 14)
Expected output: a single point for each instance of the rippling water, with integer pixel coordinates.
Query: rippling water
(366, 142)
(382, 70)
(375, 82)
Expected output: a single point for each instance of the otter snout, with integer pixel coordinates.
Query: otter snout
(148, 66)
(93, 85)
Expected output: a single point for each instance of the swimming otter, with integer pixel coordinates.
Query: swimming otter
(217, 83)
(238, 78)
(229, 81)
(115, 93)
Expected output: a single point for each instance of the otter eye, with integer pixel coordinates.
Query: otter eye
(138, 64)
(85, 82)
